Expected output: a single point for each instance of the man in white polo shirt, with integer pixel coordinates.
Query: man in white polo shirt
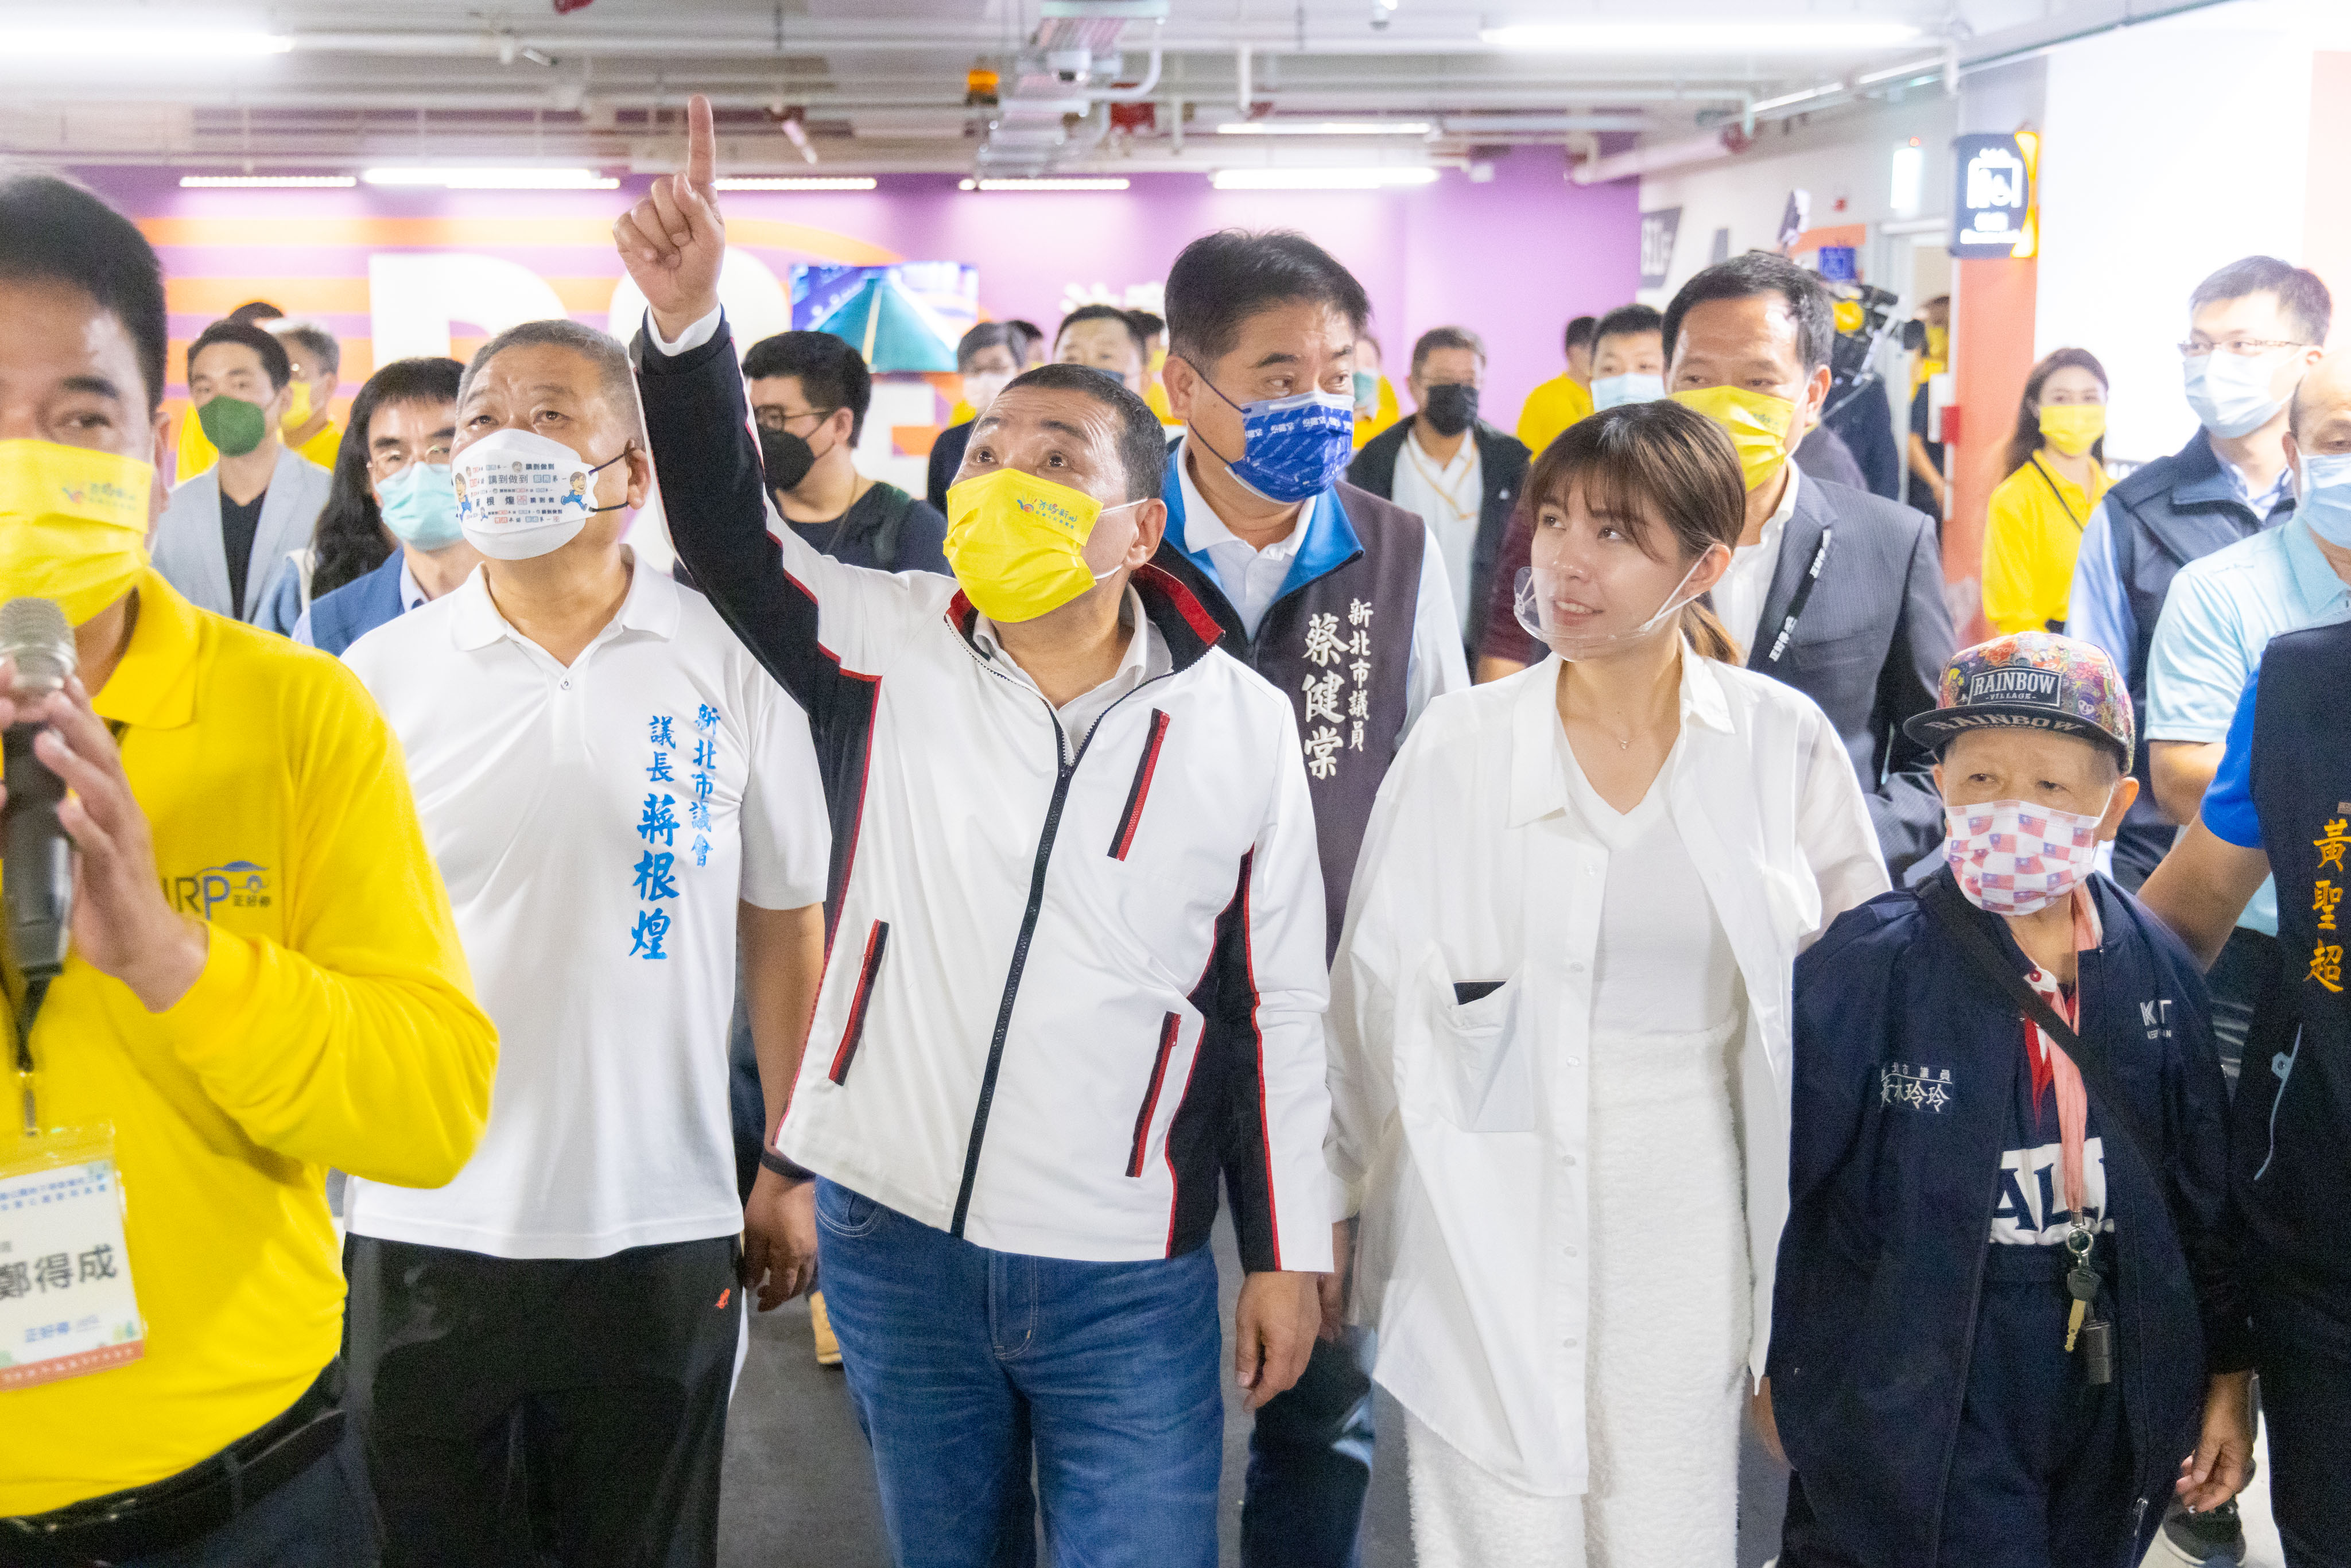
(614, 791)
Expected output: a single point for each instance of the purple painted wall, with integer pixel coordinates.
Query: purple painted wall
(1513, 259)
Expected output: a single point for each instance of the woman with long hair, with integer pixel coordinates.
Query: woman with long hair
(1559, 1028)
(2056, 477)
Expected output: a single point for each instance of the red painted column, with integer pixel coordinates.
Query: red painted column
(1991, 356)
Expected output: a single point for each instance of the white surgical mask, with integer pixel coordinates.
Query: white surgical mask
(2230, 393)
(2324, 498)
(521, 494)
(1614, 391)
(979, 391)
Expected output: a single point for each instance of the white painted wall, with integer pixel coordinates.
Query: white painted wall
(2171, 149)
(1846, 156)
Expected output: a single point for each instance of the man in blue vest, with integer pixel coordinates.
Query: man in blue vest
(2253, 328)
(2281, 806)
(1339, 599)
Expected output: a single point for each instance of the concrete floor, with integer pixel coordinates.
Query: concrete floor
(798, 1487)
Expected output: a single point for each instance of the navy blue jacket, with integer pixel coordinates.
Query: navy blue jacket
(1881, 1265)
(342, 618)
(2160, 516)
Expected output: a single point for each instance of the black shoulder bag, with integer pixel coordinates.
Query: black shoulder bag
(1951, 911)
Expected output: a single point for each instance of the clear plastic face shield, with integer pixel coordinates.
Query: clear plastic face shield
(1554, 604)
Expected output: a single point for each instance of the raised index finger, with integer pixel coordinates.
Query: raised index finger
(700, 144)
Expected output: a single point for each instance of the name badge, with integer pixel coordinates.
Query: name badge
(66, 1308)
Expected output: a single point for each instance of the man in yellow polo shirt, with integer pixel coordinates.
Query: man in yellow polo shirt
(265, 981)
(1564, 398)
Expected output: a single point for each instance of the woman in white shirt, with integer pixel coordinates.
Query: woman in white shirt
(1560, 1030)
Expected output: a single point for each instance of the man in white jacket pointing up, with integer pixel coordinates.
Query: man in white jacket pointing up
(1075, 937)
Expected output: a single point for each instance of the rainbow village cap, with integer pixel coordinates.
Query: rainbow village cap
(2031, 680)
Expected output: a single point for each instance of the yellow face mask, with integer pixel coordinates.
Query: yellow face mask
(1757, 423)
(1017, 543)
(298, 405)
(73, 525)
(2072, 428)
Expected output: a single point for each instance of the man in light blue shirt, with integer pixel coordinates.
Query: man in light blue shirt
(2254, 328)
(2220, 614)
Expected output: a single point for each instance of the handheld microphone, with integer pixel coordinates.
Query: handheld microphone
(37, 881)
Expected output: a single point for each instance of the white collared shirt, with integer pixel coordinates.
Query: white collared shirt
(1252, 579)
(1738, 596)
(1449, 497)
(1146, 656)
(596, 826)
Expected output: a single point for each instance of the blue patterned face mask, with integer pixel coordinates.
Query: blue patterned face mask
(1293, 448)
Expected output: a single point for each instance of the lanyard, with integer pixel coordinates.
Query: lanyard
(2062, 505)
(1803, 596)
(1412, 453)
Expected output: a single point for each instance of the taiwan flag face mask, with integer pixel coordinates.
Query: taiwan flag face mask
(2012, 857)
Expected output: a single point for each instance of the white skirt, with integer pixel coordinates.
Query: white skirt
(1666, 1357)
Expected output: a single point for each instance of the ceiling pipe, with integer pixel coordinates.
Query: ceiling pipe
(1722, 143)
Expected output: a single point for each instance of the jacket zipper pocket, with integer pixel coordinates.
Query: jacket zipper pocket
(1131, 817)
(876, 941)
(1169, 1028)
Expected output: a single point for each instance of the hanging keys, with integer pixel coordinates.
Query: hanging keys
(2081, 1283)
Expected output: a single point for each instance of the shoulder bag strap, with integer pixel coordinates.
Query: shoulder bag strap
(1951, 911)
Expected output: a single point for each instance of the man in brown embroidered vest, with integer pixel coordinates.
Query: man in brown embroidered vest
(1339, 599)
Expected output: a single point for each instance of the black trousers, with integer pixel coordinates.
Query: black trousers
(2301, 1347)
(520, 1411)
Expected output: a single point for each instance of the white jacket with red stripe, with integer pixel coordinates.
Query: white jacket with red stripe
(1067, 983)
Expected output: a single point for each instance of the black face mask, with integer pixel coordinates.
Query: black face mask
(786, 459)
(1451, 408)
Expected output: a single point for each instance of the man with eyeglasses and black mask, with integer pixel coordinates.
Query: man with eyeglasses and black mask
(1458, 472)
(810, 391)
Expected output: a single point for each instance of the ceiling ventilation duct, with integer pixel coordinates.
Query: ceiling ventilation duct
(1053, 105)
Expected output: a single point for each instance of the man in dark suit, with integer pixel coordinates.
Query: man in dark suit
(1460, 473)
(1834, 591)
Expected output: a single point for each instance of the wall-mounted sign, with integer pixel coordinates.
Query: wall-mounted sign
(1658, 230)
(1993, 192)
(1838, 265)
(1792, 220)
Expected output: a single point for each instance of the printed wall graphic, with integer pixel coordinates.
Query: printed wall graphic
(902, 319)
(1658, 231)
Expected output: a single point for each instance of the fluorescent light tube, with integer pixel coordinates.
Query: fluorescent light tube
(1701, 37)
(799, 182)
(465, 179)
(1324, 128)
(134, 40)
(1051, 184)
(266, 181)
(1370, 179)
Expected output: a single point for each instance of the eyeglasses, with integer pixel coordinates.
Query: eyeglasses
(2243, 348)
(384, 465)
(776, 419)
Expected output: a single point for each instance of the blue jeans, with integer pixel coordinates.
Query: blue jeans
(1310, 1463)
(966, 1364)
